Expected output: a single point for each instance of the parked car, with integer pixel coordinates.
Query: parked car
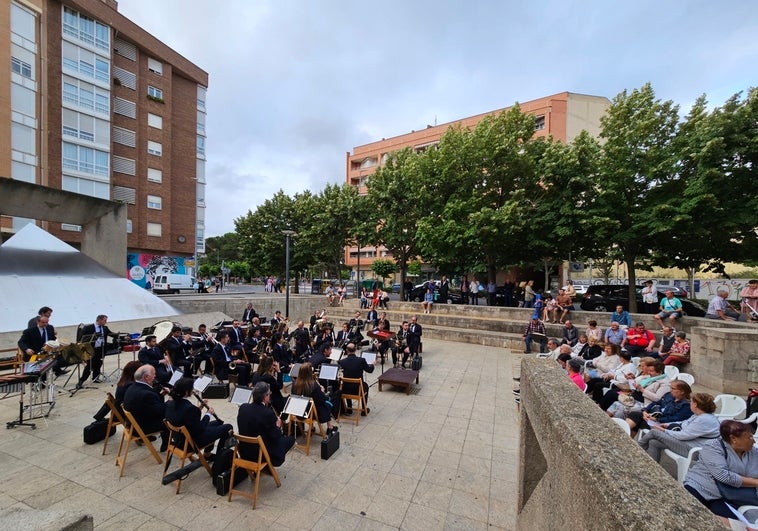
(605, 298)
(453, 294)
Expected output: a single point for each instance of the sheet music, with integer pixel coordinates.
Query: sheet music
(175, 377)
(336, 354)
(369, 356)
(202, 383)
(295, 370)
(241, 395)
(297, 405)
(328, 372)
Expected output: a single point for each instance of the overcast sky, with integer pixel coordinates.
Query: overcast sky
(296, 84)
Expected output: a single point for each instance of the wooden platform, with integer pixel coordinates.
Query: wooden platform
(399, 378)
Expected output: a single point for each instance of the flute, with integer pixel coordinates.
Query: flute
(204, 405)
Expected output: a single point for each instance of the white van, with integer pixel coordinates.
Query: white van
(174, 283)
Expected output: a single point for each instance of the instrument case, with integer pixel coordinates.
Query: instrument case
(216, 390)
(330, 445)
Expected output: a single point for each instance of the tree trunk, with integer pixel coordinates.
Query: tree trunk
(632, 274)
(691, 281)
(546, 268)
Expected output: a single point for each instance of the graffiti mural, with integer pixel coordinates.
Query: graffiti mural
(143, 268)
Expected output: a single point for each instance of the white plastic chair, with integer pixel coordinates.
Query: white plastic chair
(671, 372)
(636, 361)
(752, 418)
(682, 462)
(729, 407)
(752, 518)
(686, 377)
(623, 425)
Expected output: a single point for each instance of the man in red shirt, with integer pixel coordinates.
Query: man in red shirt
(638, 341)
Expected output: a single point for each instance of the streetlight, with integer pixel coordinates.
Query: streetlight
(288, 234)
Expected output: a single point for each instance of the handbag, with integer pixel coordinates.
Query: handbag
(736, 496)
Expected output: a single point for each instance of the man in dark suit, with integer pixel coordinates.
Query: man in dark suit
(151, 355)
(203, 347)
(47, 311)
(281, 353)
(343, 336)
(222, 357)
(302, 340)
(146, 404)
(34, 338)
(259, 419)
(353, 367)
(414, 336)
(236, 335)
(97, 335)
(178, 350)
(249, 313)
(276, 320)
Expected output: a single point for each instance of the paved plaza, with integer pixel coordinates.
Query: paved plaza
(445, 457)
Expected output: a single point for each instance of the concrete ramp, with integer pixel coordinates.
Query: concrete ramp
(37, 269)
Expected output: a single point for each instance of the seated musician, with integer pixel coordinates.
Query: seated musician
(252, 341)
(401, 345)
(268, 372)
(223, 357)
(202, 345)
(34, 338)
(326, 337)
(182, 412)
(236, 335)
(306, 385)
(281, 353)
(343, 336)
(177, 348)
(151, 355)
(321, 357)
(354, 367)
(255, 324)
(372, 317)
(259, 419)
(356, 326)
(146, 403)
(379, 344)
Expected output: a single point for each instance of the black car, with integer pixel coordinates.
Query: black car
(453, 294)
(605, 298)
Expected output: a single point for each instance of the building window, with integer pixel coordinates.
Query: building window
(154, 148)
(201, 92)
(125, 194)
(154, 229)
(153, 120)
(23, 172)
(154, 176)
(124, 78)
(86, 127)
(155, 66)
(125, 49)
(201, 122)
(84, 186)
(155, 94)
(128, 226)
(22, 138)
(71, 228)
(123, 107)
(86, 30)
(23, 24)
(86, 160)
(201, 146)
(154, 202)
(124, 165)
(86, 96)
(21, 67)
(124, 137)
(23, 100)
(539, 122)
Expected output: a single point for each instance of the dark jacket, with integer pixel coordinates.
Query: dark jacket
(256, 420)
(32, 338)
(147, 406)
(671, 410)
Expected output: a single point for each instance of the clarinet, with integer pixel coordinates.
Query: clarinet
(204, 405)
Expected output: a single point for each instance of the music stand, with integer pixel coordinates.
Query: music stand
(297, 405)
(241, 395)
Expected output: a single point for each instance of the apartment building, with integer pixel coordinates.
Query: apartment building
(96, 105)
(562, 116)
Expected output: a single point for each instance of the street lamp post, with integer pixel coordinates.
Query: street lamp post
(287, 234)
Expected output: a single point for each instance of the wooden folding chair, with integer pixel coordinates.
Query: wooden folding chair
(114, 419)
(253, 468)
(188, 450)
(360, 397)
(306, 424)
(133, 432)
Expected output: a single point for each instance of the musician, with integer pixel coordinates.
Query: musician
(343, 336)
(222, 358)
(236, 335)
(383, 323)
(379, 345)
(181, 411)
(306, 385)
(321, 357)
(34, 338)
(249, 313)
(47, 311)
(401, 345)
(98, 334)
(151, 355)
(178, 350)
(356, 325)
(302, 340)
(255, 324)
(281, 353)
(414, 336)
(371, 317)
(259, 419)
(202, 345)
(269, 373)
(276, 320)
(354, 367)
(317, 314)
(146, 404)
(325, 338)
(251, 344)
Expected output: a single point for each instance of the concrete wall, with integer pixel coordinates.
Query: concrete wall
(579, 471)
(725, 358)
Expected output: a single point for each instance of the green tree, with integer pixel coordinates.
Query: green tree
(383, 268)
(637, 165)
